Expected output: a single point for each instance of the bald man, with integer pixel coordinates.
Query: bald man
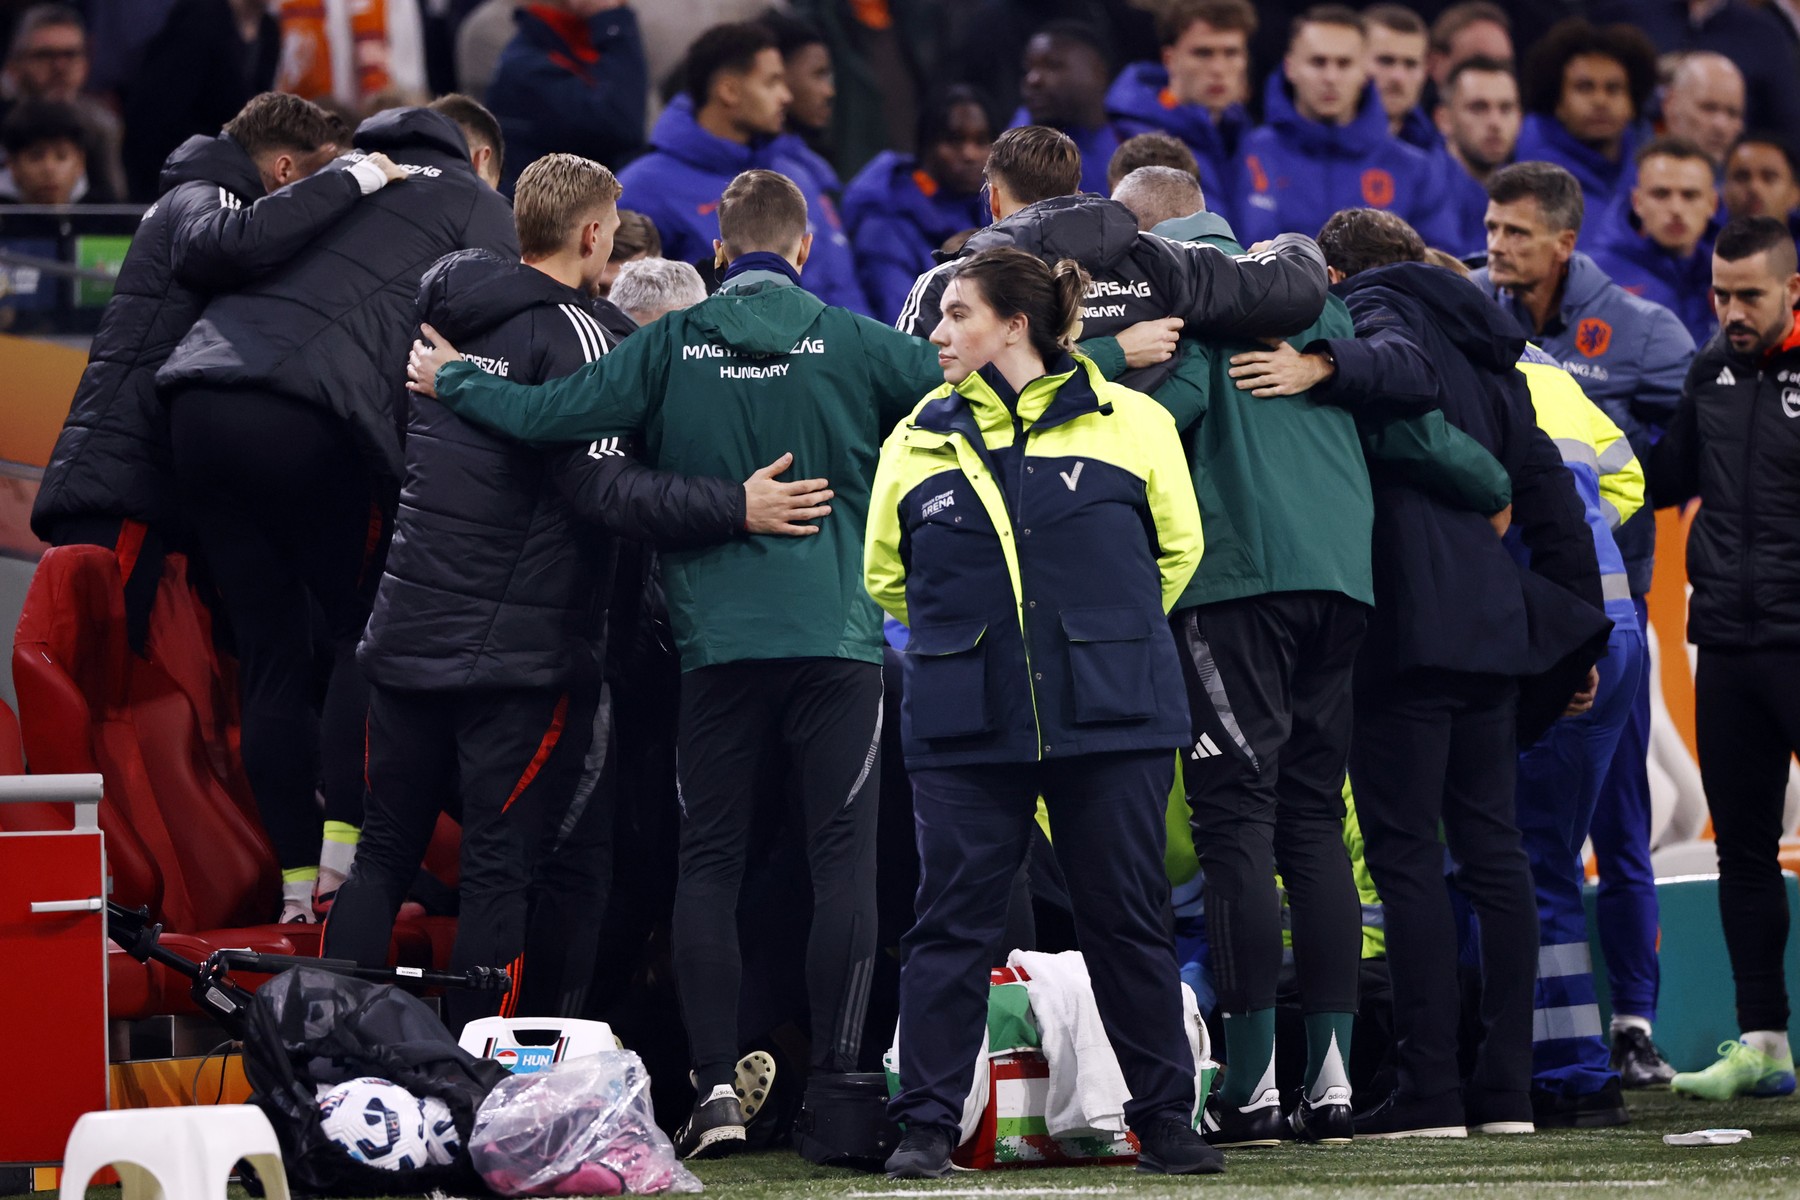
(1704, 104)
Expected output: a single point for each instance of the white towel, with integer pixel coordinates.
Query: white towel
(1087, 1092)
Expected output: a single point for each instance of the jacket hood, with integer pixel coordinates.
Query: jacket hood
(1472, 322)
(1195, 227)
(1141, 95)
(217, 159)
(890, 185)
(1585, 282)
(679, 135)
(758, 317)
(401, 129)
(1544, 137)
(1092, 230)
(1360, 138)
(467, 293)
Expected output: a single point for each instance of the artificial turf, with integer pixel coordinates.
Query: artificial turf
(1576, 1165)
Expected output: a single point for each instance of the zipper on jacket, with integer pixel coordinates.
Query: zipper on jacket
(1747, 584)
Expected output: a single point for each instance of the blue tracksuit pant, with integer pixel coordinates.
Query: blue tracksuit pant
(1626, 913)
(1560, 779)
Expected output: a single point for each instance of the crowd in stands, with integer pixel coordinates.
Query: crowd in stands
(734, 323)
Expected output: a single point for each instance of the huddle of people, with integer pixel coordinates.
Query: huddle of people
(1195, 475)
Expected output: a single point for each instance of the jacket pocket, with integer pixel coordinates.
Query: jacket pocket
(1109, 663)
(946, 681)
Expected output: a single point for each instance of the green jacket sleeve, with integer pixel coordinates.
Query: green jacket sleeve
(884, 571)
(1173, 508)
(1439, 458)
(902, 368)
(1187, 392)
(609, 397)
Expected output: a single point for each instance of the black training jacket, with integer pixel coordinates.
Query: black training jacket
(1735, 443)
(333, 327)
(208, 232)
(500, 567)
(1142, 277)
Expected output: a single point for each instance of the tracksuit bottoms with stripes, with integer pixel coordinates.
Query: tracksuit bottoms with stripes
(826, 713)
(513, 757)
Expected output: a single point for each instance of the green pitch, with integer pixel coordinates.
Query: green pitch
(1611, 1163)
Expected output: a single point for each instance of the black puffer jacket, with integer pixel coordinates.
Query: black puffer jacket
(1735, 443)
(333, 328)
(207, 233)
(498, 576)
(1142, 277)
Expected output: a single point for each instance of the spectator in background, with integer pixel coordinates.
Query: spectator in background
(208, 58)
(900, 208)
(811, 89)
(1762, 179)
(46, 154)
(1472, 29)
(1196, 93)
(648, 288)
(350, 50)
(480, 39)
(1585, 89)
(48, 60)
(1326, 145)
(1630, 356)
(1659, 245)
(729, 119)
(1150, 150)
(1478, 114)
(1066, 77)
(1749, 35)
(570, 81)
(1704, 104)
(1397, 50)
(635, 239)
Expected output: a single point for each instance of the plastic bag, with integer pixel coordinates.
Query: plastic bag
(583, 1127)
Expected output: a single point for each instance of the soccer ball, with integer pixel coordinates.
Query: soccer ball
(442, 1142)
(376, 1122)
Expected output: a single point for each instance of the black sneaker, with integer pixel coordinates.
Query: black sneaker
(1596, 1110)
(1325, 1122)
(924, 1153)
(1257, 1124)
(1498, 1112)
(1638, 1061)
(1399, 1116)
(1171, 1147)
(715, 1128)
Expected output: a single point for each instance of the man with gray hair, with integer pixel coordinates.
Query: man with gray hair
(1159, 194)
(649, 287)
(1704, 103)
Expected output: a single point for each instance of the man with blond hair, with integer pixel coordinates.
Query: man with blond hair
(484, 648)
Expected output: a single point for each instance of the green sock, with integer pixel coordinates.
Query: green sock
(1327, 1052)
(1249, 1056)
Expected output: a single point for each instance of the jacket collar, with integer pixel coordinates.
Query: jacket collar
(1065, 392)
(756, 280)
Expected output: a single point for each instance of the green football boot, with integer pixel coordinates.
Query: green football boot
(1741, 1071)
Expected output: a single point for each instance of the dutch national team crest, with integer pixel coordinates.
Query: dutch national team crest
(1592, 337)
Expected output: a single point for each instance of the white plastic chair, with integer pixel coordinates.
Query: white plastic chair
(173, 1153)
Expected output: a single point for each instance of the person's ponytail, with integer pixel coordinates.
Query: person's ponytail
(1069, 281)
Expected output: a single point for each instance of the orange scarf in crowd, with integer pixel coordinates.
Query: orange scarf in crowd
(306, 45)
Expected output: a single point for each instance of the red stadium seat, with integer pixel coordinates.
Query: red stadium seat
(12, 752)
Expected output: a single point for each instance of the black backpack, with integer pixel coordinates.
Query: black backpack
(308, 1027)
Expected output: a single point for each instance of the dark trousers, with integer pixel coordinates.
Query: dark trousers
(1107, 814)
(1440, 748)
(512, 757)
(1747, 724)
(289, 520)
(1268, 681)
(140, 549)
(827, 713)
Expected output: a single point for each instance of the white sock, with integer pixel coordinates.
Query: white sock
(298, 893)
(336, 857)
(1772, 1042)
(1623, 1021)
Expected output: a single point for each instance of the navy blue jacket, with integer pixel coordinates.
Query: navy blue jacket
(1140, 102)
(1464, 225)
(1619, 247)
(1096, 146)
(209, 232)
(1542, 138)
(1447, 593)
(897, 215)
(563, 85)
(1298, 172)
(678, 185)
(1630, 356)
(500, 567)
(1758, 41)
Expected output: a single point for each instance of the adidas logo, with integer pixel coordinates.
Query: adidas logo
(1726, 378)
(1206, 748)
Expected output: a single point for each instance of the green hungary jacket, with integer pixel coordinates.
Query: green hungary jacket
(723, 389)
(1034, 544)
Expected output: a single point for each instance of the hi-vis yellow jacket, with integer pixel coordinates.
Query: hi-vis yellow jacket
(1034, 544)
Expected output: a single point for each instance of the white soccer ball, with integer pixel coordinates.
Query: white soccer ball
(442, 1142)
(376, 1122)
